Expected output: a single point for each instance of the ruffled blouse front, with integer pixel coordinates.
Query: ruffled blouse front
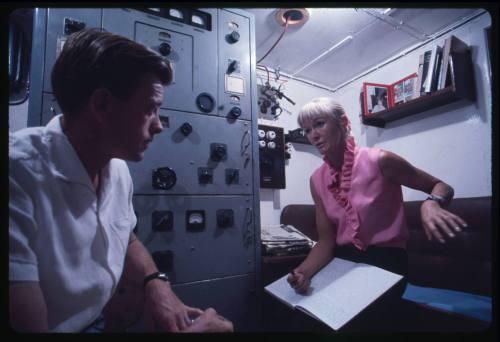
(340, 186)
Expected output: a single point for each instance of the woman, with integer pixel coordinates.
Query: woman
(359, 202)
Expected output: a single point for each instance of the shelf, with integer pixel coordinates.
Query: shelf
(459, 86)
(425, 102)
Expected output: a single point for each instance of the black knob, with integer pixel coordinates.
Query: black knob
(232, 66)
(205, 102)
(165, 49)
(186, 128)
(235, 112)
(233, 37)
(164, 178)
(218, 152)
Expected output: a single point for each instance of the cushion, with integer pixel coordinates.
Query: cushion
(464, 303)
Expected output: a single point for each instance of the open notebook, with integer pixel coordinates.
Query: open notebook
(338, 292)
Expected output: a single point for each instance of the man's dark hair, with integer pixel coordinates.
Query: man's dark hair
(93, 58)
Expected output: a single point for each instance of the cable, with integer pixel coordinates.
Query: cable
(272, 47)
(267, 70)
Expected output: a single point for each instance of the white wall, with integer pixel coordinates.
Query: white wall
(452, 142)
(305, 159)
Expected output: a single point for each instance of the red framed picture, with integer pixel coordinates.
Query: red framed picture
(404, 90)
(376, 97)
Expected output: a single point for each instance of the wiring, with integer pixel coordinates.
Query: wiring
(272, 47)
(267, 70)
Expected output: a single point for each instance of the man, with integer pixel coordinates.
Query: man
(70, 207)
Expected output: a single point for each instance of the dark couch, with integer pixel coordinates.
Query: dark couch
(462, 264)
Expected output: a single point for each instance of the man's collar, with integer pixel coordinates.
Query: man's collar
(65, 162)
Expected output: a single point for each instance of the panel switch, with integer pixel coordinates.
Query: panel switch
(162, 220)
(205, 175)
(164, 260)
(225, 218)
(232, 176)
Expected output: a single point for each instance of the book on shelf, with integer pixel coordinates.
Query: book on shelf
(425, 68)
(430, 78)
(452, 46)
(418, 85)
(338, 292)
(437, 69)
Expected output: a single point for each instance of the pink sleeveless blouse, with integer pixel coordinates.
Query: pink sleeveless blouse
(366, 209)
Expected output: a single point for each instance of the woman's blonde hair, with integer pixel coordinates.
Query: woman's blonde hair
(325, 107)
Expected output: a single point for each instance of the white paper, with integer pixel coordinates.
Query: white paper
(338, 292)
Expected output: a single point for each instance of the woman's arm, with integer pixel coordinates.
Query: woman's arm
(321, 253)
(437, 222)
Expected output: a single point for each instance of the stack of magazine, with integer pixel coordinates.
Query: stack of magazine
(281, 240)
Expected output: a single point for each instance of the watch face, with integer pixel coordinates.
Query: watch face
(163, 276)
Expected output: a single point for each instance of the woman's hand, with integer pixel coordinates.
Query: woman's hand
(299, 281)
(438, 222)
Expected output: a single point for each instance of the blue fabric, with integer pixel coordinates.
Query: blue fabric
(468, 304)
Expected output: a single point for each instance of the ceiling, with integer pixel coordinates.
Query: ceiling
(377, 34)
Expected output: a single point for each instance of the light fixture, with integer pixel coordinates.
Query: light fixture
(337, 46)
(295, 16)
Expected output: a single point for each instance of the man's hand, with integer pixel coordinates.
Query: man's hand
(298, 281)
(163, 310)
(438, 222)
(210, 321)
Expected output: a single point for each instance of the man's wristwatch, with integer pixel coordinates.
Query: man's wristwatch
(436, 198)
(156, 275)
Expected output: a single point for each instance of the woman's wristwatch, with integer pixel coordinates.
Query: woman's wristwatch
(436, 198)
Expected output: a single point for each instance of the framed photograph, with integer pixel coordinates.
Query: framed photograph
(377, 97)
(404, 89)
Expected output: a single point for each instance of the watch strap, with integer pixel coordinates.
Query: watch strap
(155, 275)
(435, 198)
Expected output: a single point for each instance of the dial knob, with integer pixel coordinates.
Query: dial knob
(165, 49)
(235, 112)
(164, 178)
(205, 102)
(186, 128)
(233, 37)
(219, 152)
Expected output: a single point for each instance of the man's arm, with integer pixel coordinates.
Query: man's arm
(162, 308)
(27, 307)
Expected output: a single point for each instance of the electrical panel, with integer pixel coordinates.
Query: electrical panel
(272, 157)
(269, 101)
(196, 193)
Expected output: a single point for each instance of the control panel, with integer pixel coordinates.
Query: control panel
(272, 157)
(196, 192)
